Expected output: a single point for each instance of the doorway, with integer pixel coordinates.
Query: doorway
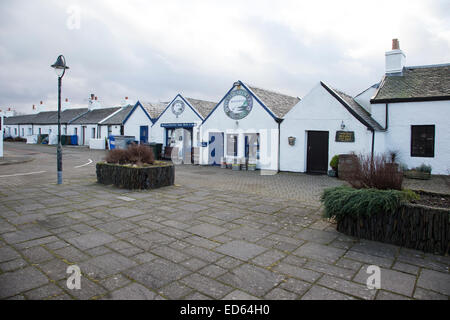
(144, 134)
(215, 148)
(84, 135)
(317, 152)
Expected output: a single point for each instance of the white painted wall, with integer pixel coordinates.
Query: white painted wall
(320, 111)
(133, 125)
(257, 121)
(158, 133)
(364, 98)
(2, 122)
(398, 136)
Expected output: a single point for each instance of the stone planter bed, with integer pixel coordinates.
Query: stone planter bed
(414, 174)
(414, 226)
(160, 174)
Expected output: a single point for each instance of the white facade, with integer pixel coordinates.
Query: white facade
(2, 123)
(403, 115)
(137, 118)
(319, 111)
(259, 121)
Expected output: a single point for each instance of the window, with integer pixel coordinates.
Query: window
(23, 132)
(422, 141)
(93, 133)
(65, 130)
(40, 131)
(30, 132)
(75, 131)
(15, 131)
(232, 145)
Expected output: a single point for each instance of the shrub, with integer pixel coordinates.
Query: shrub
(423, 168)
(344, 201)
(135, 154)
(334, 163)
(377, 172)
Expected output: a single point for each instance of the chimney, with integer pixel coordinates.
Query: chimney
(65, 105)
(92, 96)
(96, 98)
(395, 59)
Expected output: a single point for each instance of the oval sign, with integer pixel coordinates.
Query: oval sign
(238, 104)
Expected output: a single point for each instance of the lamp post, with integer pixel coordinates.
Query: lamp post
(60, 69)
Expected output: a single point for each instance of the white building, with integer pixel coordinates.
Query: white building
(244, 126)
(326, 122)
(178, 125)
(412, 105)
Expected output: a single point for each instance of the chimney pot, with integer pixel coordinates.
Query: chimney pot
(40, 102)
(92, 96)
(67, 100)
(34, 107)
(96, 98)
(126, 98)
(395, 44)
(9, 109)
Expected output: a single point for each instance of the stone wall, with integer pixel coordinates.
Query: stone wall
(136, 178)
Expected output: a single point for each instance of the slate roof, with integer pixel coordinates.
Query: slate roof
(202, 106)
(354, 108)
(45, 117)
(420, 83)
(69, 115)
(120, 116)
(22, 119)
(278, 103)
(154, 109)
(95, 116)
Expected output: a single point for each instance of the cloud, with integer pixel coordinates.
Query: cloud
(151, 50)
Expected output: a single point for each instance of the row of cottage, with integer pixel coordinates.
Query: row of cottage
(406, 112)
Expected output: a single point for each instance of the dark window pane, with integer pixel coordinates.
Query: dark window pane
(422, 141)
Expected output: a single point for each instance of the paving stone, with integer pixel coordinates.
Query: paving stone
(201, 242)
(254, 280)
(266, 208)
(114, 282)
(404, 267)
(247, 234)
(228, 215)
(207, 286)
(49, 290)
(295, 261)
(347, 287)
(239, 295)
(89, 289)
(196, 296)
(372, 260)
(27, 234)
(117, 226)
(157, 273)
(280, 294)
(106, 265)
(297, 272)
(194, 264)
(423, 294)
(321, 293)
(175, 290)
(144, 257)
(436, 281)
(319, 252)
(317, 236)
(133, 291)
(54, 269)
(212, 271)
(192, 207)
(425, 263)
(170, 254)
(131, 251)
(268, 258)
(13, 283)
(91, 240)
(56, 245)
(391, 280)
(375, 248)
(206, 230)
(240, 249)
(203, 254)
(7, 254)
(125, 212)
(297, 286)
(71, 254)
(330, 269)
(349, 264)
(98, 251)
(384, 295)
(13, 265)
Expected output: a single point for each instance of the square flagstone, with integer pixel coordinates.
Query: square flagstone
(91, 240)
(319, 252)
(321, 293)
(133, 291)
(125, 212)
(106, 265)
(206, 230)
(241, 249)
(13, 283)
(207, 286)
(436, 281)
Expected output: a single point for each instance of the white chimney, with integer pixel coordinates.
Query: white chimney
(65, 105)
(126, 102)
(40, 107)
(395, 59)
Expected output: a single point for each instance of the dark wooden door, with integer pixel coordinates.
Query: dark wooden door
(317, 157)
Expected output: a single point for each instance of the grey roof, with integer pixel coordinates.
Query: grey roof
(278, 103)
(120, 116)
(45, 117)
(69, 115)
(95, 116)
(22, 119)
(154, 109)
(354, 108)
(419, 83)
(202, 106)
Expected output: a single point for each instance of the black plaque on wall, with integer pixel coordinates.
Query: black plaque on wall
(345, 136)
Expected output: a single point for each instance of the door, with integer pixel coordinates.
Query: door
(215, 148)
(187, 145)
(144, 134)
(317, 154)
(84, 135)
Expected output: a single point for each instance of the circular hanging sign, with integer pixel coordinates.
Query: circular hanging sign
(238, 104)
(178, 107)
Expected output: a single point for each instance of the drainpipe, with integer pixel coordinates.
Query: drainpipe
(373, 143)
(387, 116)
(279, 143)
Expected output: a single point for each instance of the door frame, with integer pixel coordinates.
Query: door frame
(140, 134)
(308, 154)
(218, 133)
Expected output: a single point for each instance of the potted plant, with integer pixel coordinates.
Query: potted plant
(422, 172)
(334, 163)
(236, 165)
(251, 166)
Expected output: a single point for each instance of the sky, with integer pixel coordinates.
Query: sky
(152, 50)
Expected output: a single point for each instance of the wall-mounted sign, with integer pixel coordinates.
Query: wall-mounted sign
(177, 107)
(178, 125)
(345, 136)
(238, 104)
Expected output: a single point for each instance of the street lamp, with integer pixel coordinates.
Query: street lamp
(60, 69)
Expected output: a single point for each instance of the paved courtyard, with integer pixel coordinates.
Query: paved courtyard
(216, 234)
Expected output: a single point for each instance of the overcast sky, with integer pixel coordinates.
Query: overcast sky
(151, 50)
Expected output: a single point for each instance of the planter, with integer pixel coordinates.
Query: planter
(161, 174)
(236, 166)
(413, 174)
(348, 164)
(332, 173)
(251, 167)
(412, 226)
